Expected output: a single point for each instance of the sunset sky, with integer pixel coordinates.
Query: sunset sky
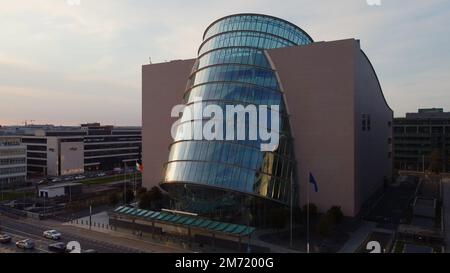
(69, 64)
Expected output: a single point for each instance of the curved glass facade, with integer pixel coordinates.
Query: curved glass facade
(232, 69)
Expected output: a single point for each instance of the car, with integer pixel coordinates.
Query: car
(57, 247)
(79, 177)
(101, 174)
(42, 182)
(5, 239)
(89, 251)
(25, 244)
(56, 180)
(52, 234)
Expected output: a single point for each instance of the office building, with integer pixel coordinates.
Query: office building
(56, 151)
(422, 141)
(12, 162)
(335, 122)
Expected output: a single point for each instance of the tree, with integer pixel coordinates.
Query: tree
(113, 199)
(325, 225)
(312, 210)
(155, 194)
(335, 214)
(141, 191)
(435, 164)
(297, 214)
(151, 200)
(278, 217)
(129, 196)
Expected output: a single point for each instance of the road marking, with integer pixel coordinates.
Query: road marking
(14, 231)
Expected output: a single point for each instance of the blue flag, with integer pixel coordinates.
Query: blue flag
(312, 180)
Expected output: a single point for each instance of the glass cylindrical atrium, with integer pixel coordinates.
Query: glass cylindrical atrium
(217, 177)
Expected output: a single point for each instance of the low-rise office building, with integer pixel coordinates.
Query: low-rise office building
(12, 162)
(74, 150)
(422, 141)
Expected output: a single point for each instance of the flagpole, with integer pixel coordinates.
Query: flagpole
(291, 235)
(307, 215)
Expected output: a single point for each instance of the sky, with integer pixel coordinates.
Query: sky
(68, 62)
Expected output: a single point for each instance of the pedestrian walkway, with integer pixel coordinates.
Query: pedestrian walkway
(100, 224)
(273, 248)
(358, 237)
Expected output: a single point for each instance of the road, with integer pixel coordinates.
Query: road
(21, 229)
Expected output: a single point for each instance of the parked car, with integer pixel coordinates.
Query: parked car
(5, 239)
(79, 177)
(52, 234)
(57, 247)
(54, 180)
(42, 182)
(101, 174)
(25, 244)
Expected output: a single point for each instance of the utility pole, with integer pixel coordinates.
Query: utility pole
(124, 184)
(90, 216)
(307, 215)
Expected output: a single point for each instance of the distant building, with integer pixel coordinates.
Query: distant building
(12, 162)
(64, 189)
(56, 151)
(422, 140)
(336, 122)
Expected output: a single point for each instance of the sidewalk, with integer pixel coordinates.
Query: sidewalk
(273, 248)
(101, 221)
(358, 237)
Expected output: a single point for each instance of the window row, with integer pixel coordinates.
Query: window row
(248, 56)
(237, 73)
(243, 38)
(12, 152)
(231, 153)
(7, 171)
(12, 161)
(233, 178)
(236, 92)
(259, 23)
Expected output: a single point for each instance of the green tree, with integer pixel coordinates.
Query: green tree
(335, 214)
(151, 200)
(113, 199)
(140, 192)
(312, 210)
(278, 217)
(325, 225)
(129, 196)
(436, 161)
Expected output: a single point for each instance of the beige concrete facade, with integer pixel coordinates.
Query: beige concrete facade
(327, 86)
(163, 86)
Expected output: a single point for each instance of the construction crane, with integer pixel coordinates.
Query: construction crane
(26, 122)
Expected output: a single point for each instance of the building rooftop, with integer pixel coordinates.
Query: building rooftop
(429, 113)
(61, 185)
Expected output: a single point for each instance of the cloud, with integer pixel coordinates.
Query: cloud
(79, 55)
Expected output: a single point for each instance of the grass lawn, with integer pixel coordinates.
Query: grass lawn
(16, 195)
(399, 247)
(109, 179)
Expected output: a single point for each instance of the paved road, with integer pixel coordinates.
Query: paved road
(20, 229)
